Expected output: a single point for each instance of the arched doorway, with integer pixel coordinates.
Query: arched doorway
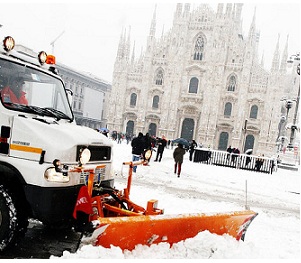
(130, 128)
(223, 141)
(152, 129)
(249, 142)
(187, 129)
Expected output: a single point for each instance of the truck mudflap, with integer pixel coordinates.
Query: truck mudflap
(127, 232)
(115, 220)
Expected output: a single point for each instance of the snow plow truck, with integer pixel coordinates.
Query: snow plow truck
(61, 173)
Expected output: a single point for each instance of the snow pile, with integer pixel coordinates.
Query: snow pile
(205, 245)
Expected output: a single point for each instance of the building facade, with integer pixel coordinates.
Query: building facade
(89, 100)
(202, 80)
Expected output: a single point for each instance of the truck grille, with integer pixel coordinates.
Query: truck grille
(98, 153)
(98, 176)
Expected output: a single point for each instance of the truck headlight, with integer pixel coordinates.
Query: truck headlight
(52, 175)
(85, 156)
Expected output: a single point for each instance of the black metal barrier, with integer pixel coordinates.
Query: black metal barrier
(238, 161)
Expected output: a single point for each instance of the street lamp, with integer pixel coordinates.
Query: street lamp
(280, 139)
(289, 103)
(52, 43)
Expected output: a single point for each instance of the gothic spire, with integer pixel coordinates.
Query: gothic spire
(179, 10)
(152, 34)
(162, 32)
(133, 54)
(233, 11)
(177, 13)
(228, 9)
(252, 33)
(152, 31)
(186, 10)
(262, 59)
(238, 15)
(128, 45)
(284, 58)
(220, 8)
(275, 62)
(238, 10)
(120, 51)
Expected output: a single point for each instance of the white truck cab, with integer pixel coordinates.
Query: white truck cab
(40, 144)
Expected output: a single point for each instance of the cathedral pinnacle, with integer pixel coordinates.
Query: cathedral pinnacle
(275, 62)
(284, 57)
(152, 31)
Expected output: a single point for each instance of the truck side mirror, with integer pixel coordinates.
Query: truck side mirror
(69, 95)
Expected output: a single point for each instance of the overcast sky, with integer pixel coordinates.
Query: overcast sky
(92, 29)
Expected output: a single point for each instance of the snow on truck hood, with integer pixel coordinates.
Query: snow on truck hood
(59, 140)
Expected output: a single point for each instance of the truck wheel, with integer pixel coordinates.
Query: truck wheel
(8, 220)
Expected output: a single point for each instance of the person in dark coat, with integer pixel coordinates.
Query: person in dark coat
(259, 162)
(148, 142)
(138, 144)
(235, 154)
(248, 158)
(192, 146)
(161, 146)
(148, 145)
(229, 151)
(178, 155)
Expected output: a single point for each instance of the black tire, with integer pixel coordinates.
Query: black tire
(8, 220)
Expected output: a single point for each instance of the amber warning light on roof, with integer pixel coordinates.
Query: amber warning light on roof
(50, 59)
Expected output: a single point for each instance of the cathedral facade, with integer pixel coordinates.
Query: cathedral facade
(201, 80)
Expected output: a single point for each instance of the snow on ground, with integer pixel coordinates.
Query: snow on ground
(273, 234)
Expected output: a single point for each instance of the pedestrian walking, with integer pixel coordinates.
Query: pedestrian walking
(229, 152)
(259, 162)
(161, 146)
(128, 138)
(138, 144)
(178, 156)
(119, 137)
(235, 153)
(192, 146)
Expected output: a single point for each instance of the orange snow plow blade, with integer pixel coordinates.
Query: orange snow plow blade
(120, 222)
(127, 232)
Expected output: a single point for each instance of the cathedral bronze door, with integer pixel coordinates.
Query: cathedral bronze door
(249, 142)
(130, 128)
(152, 129)
(187, 129)
(223, 141)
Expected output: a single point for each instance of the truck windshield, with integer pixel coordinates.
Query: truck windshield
(24, 88)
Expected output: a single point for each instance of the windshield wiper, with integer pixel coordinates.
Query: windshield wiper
(22, 107)
(58, 114)
(39, 110)
(49, 112)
